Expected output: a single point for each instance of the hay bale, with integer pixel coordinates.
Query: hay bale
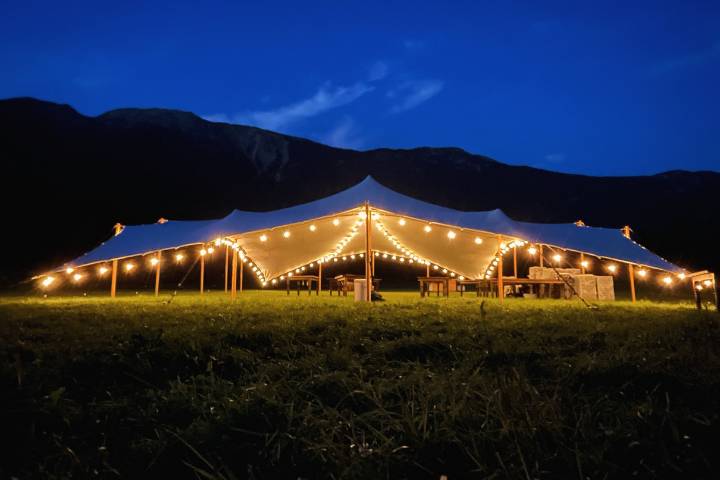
(605, 288)
(585, 286)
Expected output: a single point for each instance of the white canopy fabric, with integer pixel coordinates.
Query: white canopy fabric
(465, 243)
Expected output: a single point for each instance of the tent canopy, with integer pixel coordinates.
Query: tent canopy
(281, 240)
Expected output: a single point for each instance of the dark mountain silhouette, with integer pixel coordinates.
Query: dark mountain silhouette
(67, 178)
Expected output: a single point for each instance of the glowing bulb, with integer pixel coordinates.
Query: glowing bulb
(129, 266)
(49, 280)
(557, 257)
(612, 268)
(69, 270)
(77, 277)
(452, 274)
(274, 281)
(313, 228)
(384, 255)
(263, 238)
(203, 252)
(444, 270)
(286, 234)
(336, 222)
(642, 273)
(297, 270)
(402, 222)
(451, 234)
(435, 267)
(102, 270)
(179, 257)
(427, 229)
(698, 287)
(667, 280)
(584, 264)
(707, 283)
(377, 254)
(218, 242)
(211, 250)
(154, 261)
(532, 250)
(461, 277)
(352, 256)
(290, 274)
(681, 276)
(478, 241)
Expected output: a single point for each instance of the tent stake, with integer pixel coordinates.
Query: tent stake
(368, 272)
(233, 285)
(501, 288)
(631, 269)
(157, 273)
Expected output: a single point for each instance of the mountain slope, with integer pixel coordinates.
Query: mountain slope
(69, 178)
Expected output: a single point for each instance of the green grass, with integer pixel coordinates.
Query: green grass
(306, 387)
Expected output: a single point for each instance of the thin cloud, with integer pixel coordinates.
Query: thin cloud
(344, 135)
(412, 94)
(327, 97)
(378, 71)
(688, 60)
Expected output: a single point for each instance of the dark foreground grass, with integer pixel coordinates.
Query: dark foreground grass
(277, 387)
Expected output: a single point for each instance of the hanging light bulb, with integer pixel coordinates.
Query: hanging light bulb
(612, 268)
(211, 250)
(557, 257)
(102, 271)
(427, 229)
(154, 261)
(698, 287)
(532, 250)
(642, 273)
(336, 222)
(402, 222)
(286, 234)
(129, 266)
(49, 280)
(667, 280)
(69, 270)
(584, 264)
(77, 277)
(203, 252)
(451, 234)
(478, 241)
(179, 257)
(263, 238)
(312, 228)
(681, 276)
(707, 283)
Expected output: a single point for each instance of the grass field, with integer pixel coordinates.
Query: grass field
(307, 387)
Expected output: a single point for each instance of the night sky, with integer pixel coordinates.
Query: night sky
(587, 87)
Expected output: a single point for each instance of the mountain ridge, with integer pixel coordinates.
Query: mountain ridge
(140, 164)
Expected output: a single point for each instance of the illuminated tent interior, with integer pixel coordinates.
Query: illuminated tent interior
(465, 244)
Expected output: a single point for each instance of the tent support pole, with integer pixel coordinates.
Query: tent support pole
(542, 260)
(631, 268)
(582, 263)
(515, 262)
(501, 288)
(202, 274)
(241, 277)
(113, 279)
(233, 285)
(319, 285)
(227, 252)
(157, 273)
(368, 268)
(717, 304)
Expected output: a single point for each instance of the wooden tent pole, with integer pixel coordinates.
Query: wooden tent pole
(427, 269)
(157, 273)
(202, 274)
(515, 262)
(113, 279)
(631, 268)
(542, 259)
(233, 285)
(501, 289)
(227, 260)
(240, 275)
(582, 263)
(319, 285)
(368, 268)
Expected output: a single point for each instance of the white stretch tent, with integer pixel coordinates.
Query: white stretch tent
(279, 241)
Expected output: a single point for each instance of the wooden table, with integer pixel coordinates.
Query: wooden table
(298, 279)
(345, 283)
(478, 284)
(425, 282)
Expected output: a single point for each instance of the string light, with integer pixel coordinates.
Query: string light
(102, 271)
(336, 222)
(478, 241)
(48, 281)
(286, 234)
(557, 257)
(681, 276)
(154, 261)
(427, 229)
(129, 266)
(69, 270)
(179, 257)
(707, 283)
(210, 250)
(532, 250)
(584, 264)
(451, 234)
(77, 277)
(263, 238)
(612, 268)
(698, 287)
(203, 252)
(667, 280)
(402, 222)
(642, 273)
(312, 228)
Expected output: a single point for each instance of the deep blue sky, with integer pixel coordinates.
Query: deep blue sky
(589, 87)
